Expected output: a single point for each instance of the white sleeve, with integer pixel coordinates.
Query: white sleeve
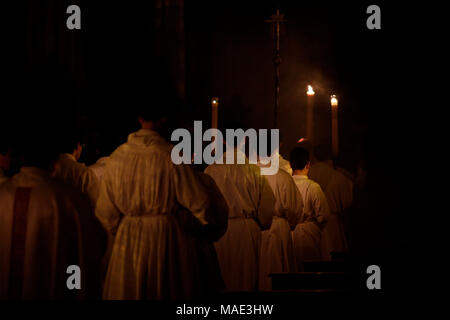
(190, 192)
(91, 186)
(320, 204)
(105, 210)
(266, 206)
(292, 202)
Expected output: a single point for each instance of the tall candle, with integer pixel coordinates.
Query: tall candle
(214, 119)
(215, 112)
(334, 126)
(310, 113)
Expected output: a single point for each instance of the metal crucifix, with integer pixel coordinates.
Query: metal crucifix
(276, 19)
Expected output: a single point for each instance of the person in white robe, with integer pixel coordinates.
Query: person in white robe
(99, 167)
(143, 197)
(44, 228)
(338, 190)
(285, 165)
(277, 251)
(250, 203)
(307, 235)
(77, 174)
(104, 148)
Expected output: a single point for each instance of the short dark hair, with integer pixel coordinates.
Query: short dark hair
(37, 148)
(68, 140)
(299, 157)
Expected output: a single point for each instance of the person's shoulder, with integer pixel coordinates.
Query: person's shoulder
(67, 163)
(315, 187)
(213, 169)
(158, 146)
(312, 184)
(82, 168)
(66, 193)
(234, 170)
(343, 175)
(283, 175)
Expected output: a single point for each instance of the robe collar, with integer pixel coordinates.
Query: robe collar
(31, 177)
(68, 156)
(236, 153)
(146, 132)
(300, 177)
(144, 137)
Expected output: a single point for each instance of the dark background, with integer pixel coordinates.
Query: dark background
(225, 49)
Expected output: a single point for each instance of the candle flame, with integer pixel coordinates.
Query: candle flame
(215, 101)
(334, 101)
(310, 91)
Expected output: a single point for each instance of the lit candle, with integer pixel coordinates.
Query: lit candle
(334, 126)
(310, 113)
(214, 119)
(215, 113)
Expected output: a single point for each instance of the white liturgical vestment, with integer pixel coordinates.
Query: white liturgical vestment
(285, 165)
(277, 252)
(99, 167)
(45, 228)
(338, 190)
(250, 203)
(307, 235)
(142, 196)
(69, 170)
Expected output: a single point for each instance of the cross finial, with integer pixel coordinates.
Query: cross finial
(277, 18)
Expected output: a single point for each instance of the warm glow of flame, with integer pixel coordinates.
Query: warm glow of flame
(214, 101)
(310, 91)
(334, 101)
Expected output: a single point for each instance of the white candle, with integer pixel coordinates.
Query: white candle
(310, 113)
(214, 119)
(334, 126)
(215, 112)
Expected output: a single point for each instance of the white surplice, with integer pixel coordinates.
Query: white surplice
(285, 165)
(57, 232)
(250, 203)
(338, 190)
(99, 167)
(277, 252)
(69, 170)
(142, 196)
(307, 235)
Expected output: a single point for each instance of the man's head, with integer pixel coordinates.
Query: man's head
(155, 123)
(299, 160)
(37, 148)
(156, 100)
(70, 142)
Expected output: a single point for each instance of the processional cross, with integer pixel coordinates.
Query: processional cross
(276, 19)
